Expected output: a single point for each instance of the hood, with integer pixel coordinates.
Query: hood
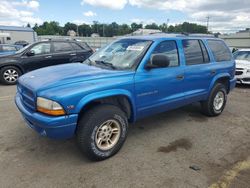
(8, 58)
(55, 76)
(242, 64)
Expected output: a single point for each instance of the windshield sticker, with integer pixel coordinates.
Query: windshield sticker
(135, 48)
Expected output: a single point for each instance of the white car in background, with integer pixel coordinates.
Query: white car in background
(242, 58)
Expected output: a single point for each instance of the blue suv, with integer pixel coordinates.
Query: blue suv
(129, 79)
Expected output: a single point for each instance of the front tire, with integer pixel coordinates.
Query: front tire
(9, 75)
(102, 131)
(216, 102)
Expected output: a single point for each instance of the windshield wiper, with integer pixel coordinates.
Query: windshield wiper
(106, 64)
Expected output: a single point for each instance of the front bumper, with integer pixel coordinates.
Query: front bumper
(243, 77)
(58, 127)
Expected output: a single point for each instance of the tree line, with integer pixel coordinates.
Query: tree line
(113, 29)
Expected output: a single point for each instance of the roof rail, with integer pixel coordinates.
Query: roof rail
(185, 34)
(201, 35)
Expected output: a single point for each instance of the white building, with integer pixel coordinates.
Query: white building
(145, 31)
(11, 34)
(71, 33)
(240, 39)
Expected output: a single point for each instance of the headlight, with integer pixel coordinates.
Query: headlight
(248, 70)
(49, 107)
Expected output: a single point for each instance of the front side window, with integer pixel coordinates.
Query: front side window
(193, 52)
(41, 48)
(242, 55)
(62, 47)
(219, 50)
(76, 47)
(121, 54)
(169, 49)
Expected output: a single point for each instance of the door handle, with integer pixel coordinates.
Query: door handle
(72, 54)
(180, 77)
(47, 57)
(213, 72)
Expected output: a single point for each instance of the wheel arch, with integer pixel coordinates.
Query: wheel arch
(221, 78)
(120, 98)
(12, 65)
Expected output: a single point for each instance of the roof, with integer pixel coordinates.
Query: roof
(158, 36)
(9, 45)
(16, 28)
(244, 50)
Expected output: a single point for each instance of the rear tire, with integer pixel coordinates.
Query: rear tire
(9, 75)
(216, 102)
(102, 131)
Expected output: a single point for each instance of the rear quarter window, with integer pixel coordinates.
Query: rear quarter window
(220, 50)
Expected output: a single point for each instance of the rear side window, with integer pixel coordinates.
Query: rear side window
(169, 49)
(219, 50)
(62, 47)
(195, 52)
(204, 52)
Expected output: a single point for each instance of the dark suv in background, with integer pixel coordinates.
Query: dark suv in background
(41, 54)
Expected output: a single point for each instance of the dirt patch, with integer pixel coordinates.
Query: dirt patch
(217, 170)
(173, 146)
(242, 180)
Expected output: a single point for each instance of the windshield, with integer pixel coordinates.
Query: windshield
(23, 49)
(121, 54)
(242, 55)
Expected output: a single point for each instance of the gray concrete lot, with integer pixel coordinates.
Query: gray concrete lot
(158, 152)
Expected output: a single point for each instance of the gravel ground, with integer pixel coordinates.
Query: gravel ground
(158, 152)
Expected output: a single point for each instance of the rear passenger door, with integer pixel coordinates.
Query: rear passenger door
(199, 71)
(63, 52)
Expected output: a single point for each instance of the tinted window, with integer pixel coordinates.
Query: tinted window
(41, 48)
(242, 55)
(204, 52)
(193, 52)
(62, 47)
(169, 49)
(76, 46)
(220, 51)
(8, 48)
(85, 46)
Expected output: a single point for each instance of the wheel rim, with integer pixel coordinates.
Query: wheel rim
(10, 75)
(219, 100)
(108, 135)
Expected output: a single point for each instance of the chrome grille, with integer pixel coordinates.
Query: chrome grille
(27, 96)
(238, 72)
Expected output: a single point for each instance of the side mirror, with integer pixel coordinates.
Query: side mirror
(30, 53)
(158, 61)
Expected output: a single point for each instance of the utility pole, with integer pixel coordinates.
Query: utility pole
(103, 30)
(167, 25)
(77, 30)
(208, 18)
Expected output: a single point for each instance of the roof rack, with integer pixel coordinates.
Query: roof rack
(60, 39)
(182, 34)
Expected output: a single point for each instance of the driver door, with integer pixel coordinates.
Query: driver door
(160, 89)
(41, 57)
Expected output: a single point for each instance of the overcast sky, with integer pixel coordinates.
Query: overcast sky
(225, 15)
